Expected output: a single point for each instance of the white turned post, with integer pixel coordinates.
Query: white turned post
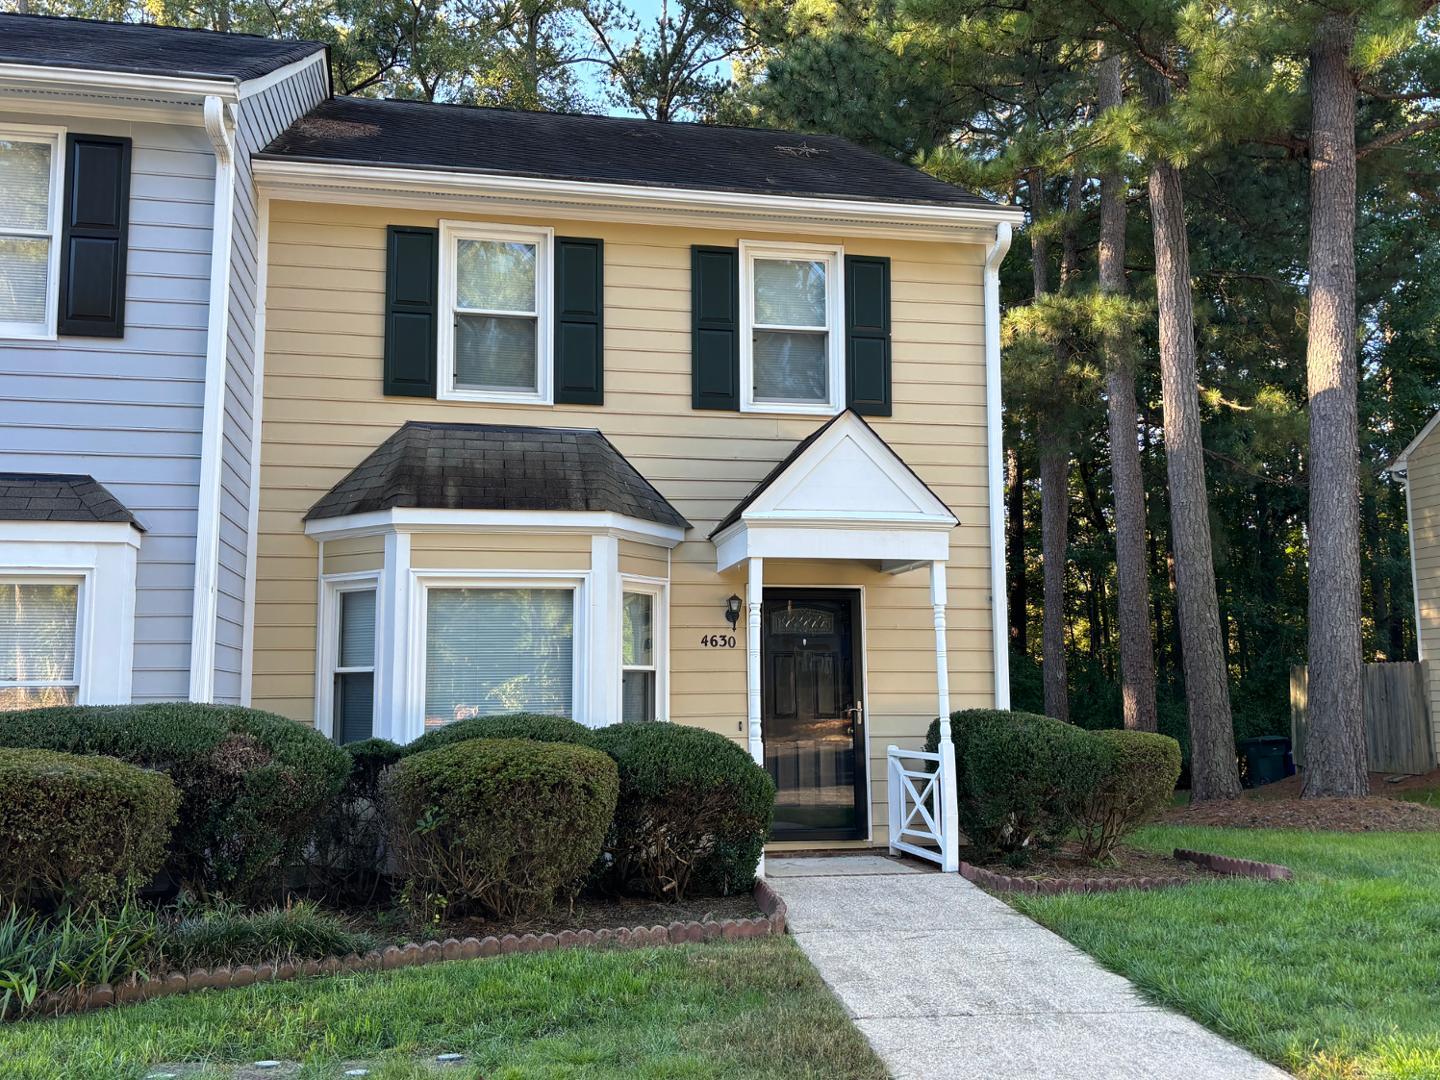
(755, 595)
(949, 815)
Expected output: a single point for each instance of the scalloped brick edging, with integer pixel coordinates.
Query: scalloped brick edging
(1220, 864)
(1224, 864)
(412, 954)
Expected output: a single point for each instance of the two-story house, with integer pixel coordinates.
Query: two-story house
(128, 306)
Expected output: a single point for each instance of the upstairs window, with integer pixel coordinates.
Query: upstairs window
(29, 224)
(495, 344)
(791, 355)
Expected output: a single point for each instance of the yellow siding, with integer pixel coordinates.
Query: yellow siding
(1423, 478)
(354, 554)
(324, 411)
(644, 560)
(499, 551)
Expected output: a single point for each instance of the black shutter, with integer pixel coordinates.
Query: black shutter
(867, 334)
(412, 271)
(94, 223)
(579, 321)
(715, 328)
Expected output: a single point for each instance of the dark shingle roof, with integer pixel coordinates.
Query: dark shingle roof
(608, 149)
(143, 48)
(496, 467)
(59, 497)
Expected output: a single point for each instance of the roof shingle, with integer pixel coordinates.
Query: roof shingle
(59, 497)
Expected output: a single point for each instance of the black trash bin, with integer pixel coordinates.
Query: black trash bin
(1266, 759)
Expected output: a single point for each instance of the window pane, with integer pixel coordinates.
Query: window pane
(791, 367)
(495, 275)
(789, 292)
(491, 651)
(357, 629)
(637, 696)
(24, 275)
(37, 632)
(494, 353)
(354, 706)
(25, 180)
(639, 629)
(35, 697)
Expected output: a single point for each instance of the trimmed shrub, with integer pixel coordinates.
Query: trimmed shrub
(499, 825)
(1020, 777)
(693, 814)
(252, 784)
(345, 858)
(79, 829)
(1136, 782)
(535, 726)
(227, 934)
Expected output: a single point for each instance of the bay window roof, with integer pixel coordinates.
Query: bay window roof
(60, 497)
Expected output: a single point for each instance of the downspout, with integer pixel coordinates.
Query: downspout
(994, 442)
(1404, 475)
(220, 127)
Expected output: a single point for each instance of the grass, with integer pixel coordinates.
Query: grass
(745, 1009)
(1334, 976)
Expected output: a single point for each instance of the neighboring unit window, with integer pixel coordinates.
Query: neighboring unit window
(37, 643)
(637, 652)
(793, 341)
(355, 667)
(490, 651)
(29, 178)
(498, 345)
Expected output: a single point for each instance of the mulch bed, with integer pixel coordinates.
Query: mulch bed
(1066, 864)
(1372, 814)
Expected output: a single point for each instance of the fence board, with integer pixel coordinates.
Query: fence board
(1397, 716)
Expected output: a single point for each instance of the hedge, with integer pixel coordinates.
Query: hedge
(252, 784)
(1136, 783)
(538, 727)
(79, 830)
(344, 860)
(693, 815)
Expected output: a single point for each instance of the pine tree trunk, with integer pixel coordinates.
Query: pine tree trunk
(1054, 537)
(1137, 650)
(1335, 745)
(1214, 773)
(1015, 554)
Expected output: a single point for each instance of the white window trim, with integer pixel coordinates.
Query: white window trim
(451, 233)
(55, 136)
(660, 590)
(834, 255)
(425, 580)
(81, 580)
(331, 588)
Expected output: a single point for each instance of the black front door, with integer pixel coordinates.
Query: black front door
(813, 726)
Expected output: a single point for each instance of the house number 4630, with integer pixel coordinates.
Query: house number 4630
(718, 641)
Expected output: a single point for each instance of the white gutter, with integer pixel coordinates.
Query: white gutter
(994, 442)
(111, 81)
(1414, 575)
(220, 127)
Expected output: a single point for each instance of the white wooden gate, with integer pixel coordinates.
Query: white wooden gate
(922, 805)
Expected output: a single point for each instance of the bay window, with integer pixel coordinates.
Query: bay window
(39, 620)
(791, 355)
(354, 689)
(638, 652)
(29, 224)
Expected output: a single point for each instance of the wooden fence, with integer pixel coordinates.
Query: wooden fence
(1398, 737)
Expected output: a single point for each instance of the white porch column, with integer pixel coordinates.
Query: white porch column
(395, 712)
(755, 594)
(605, 630)
(949, 815)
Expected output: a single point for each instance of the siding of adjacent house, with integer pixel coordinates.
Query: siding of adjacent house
(262, 116)
(1423, 479)
(324, 411)
(128, 411)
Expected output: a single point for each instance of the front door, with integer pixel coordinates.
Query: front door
(813, 725)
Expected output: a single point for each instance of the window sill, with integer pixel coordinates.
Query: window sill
(490, 397)
(782, 409)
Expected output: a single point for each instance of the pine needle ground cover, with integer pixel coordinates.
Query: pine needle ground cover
(747, 1009)
(1332, 976)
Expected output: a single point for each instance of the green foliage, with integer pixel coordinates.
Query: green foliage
(1020, 778)
(252, 784)
(79, 829)
(499, 825)
(71, 951)
(1137, 781)
(693, 814)
(536, 726)
(344, 860)
(227, 934)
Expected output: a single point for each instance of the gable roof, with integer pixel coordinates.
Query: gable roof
(1402, 461)
(603, 149)
(144, 48)
(496, 467)
(59, 497)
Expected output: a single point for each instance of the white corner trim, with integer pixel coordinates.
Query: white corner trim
(995, 449)
(220, 127)
(258, 85)
(257, 408)
(424, 520)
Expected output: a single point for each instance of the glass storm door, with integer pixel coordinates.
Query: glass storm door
(813, 725)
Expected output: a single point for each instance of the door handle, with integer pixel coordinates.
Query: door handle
(856, 714)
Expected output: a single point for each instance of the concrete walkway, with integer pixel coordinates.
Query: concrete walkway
(947, 981)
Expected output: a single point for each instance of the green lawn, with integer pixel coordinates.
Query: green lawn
(1335, 976)
(747, 1009)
